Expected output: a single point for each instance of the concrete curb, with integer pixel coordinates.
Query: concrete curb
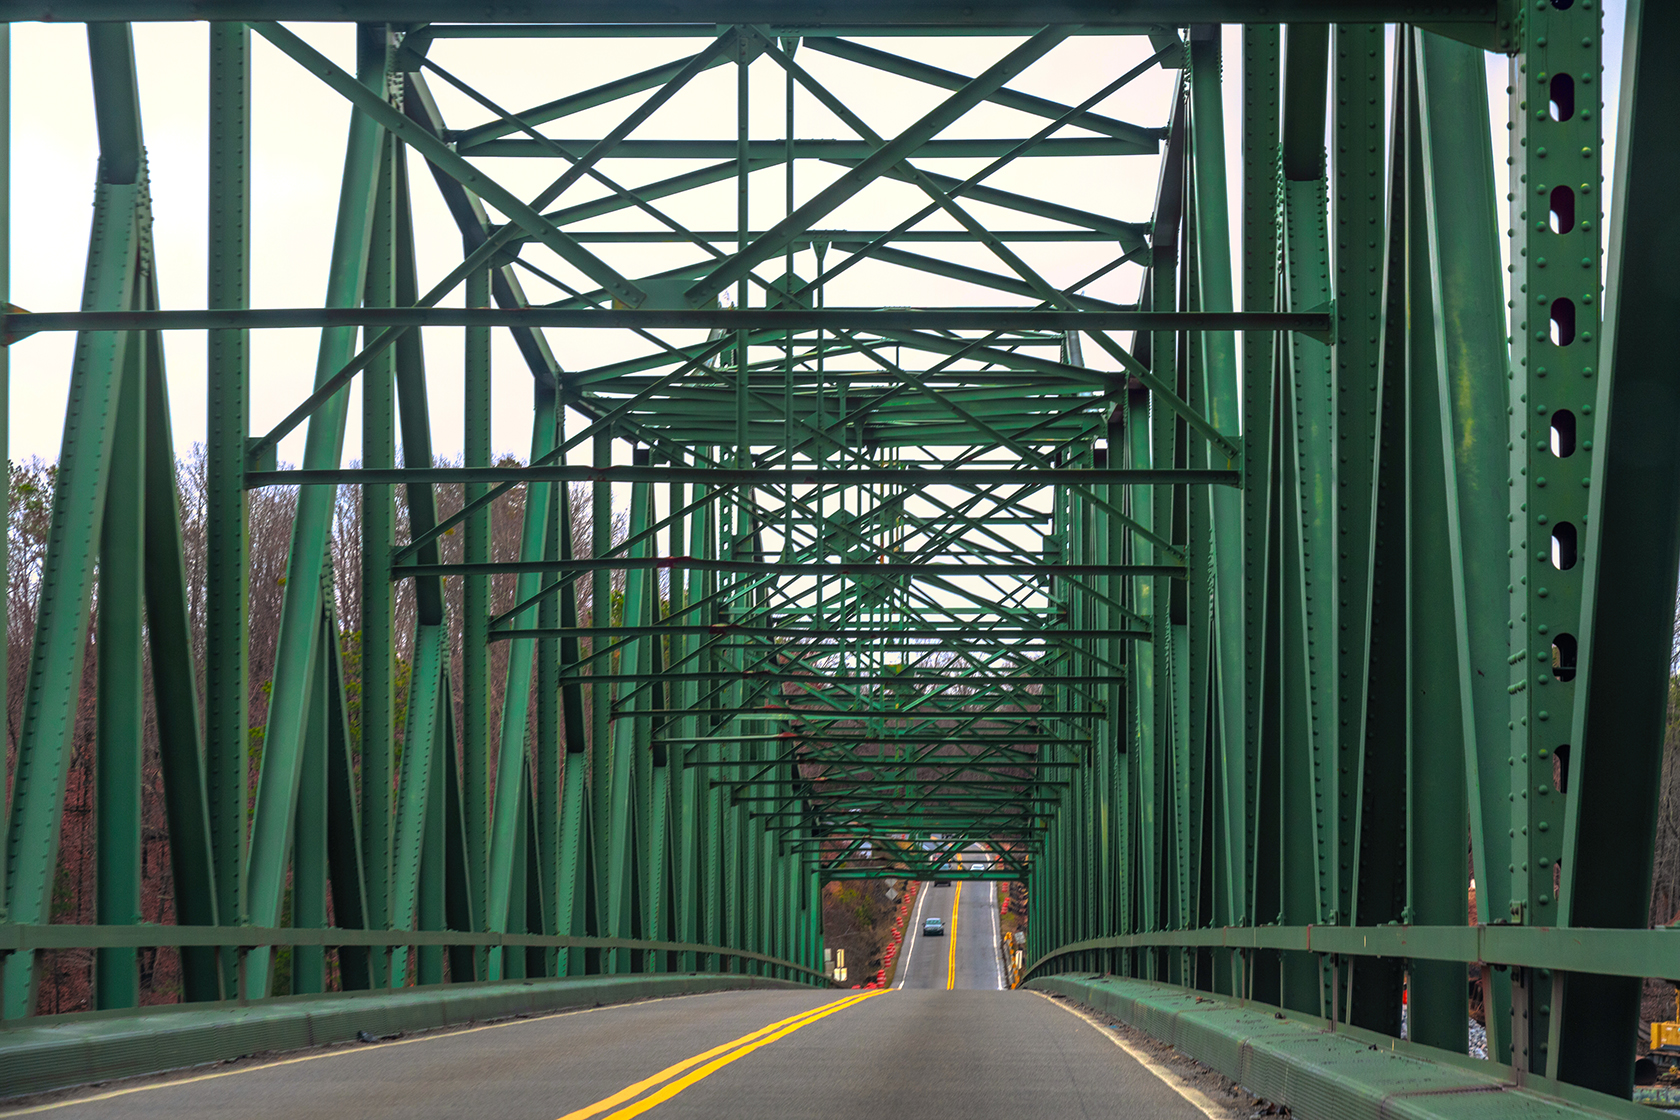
(1348, 1074)
(104, 1046)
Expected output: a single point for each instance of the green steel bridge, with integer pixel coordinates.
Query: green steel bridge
(1248, 527)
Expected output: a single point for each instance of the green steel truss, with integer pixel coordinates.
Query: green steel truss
(1247, 621)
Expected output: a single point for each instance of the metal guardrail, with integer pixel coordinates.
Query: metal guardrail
(19, 937)
(1605, 952)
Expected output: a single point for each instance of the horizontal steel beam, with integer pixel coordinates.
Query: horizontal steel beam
(16, 325)
(793, 676)
(873, 635)
(1604, 952)
(769, 567)
(722, 477)
(17, 937)
(709, 30)
(769, 713)
(830, 236)
(809, 149)
(788, 19)
(1002, 875)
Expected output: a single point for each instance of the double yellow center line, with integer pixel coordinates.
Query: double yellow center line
(951, 936)
(672, 1080)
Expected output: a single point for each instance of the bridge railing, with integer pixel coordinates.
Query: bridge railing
(1603, 952)
(18, 937)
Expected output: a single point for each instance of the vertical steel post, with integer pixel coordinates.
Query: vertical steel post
(475, 609)
(608, 778)
(376, 637)
(298, 645)
(78, 503)
(1357, 222)
(309, 844)
(1312, 880)
(119, 704)
(1556, 187)
(226, 592)
(1437, 821)
(1472, 370)
(1219, 363)
(1630, 549)
(1380, 863)
(1262, 62)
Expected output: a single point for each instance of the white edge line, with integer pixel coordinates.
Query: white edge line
(912, 940)
(997, 937)
(1193, 1095)
(339, 1051)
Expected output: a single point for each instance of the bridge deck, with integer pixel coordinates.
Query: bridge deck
(921, 1051)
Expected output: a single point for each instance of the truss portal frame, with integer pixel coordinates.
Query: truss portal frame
(1223, 616)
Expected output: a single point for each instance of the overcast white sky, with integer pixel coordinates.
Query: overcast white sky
(300, 129)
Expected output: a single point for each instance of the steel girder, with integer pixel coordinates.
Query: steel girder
(1419, 499)
(1200, 630)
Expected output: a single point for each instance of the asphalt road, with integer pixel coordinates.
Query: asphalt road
(963, 1055)
(966, 957)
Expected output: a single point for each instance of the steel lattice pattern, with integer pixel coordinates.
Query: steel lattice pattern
(987, 511)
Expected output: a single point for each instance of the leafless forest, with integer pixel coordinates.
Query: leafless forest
(66, 974)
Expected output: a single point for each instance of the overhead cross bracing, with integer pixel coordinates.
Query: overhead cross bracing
(922, 482)
(843, 637)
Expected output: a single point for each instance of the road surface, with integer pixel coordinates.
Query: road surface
(931, 1055)
(969, 1051)
(966, 957)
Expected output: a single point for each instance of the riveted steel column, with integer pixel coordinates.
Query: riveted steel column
(575, 883)
(1630, 550)
(298, 645)
(611, 775)
(1312, 891)
(1437, 822)
(1471, 363)
(475, 608)
(704, 533)
(1262, 65)
(1379, 893)
(1358, 210)
(688, 796)
(632, 781)
(226, 592)
(426, 800)
(309, 844)
(375, 640)
(507, 840)
(548, 754)
(118, 743)
(1219, 369)
(78, 504)
(118, 740)
(345, 863)
(1556, 192)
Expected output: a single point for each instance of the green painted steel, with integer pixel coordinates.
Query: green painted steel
(1319, 1068)
(59, 1053)
(1233, 596)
